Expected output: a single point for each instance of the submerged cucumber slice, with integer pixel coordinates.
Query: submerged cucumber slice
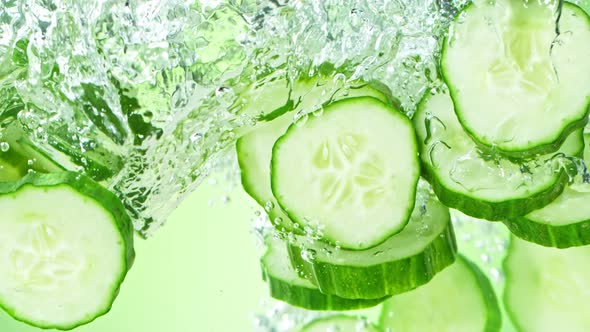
(254, 150)
(405, 261)
(563, 223)
(340, 323)
(460, 298)
(547, 288)
(482, 187)
(350, 174)
(286, 285)
(66, 244)
(517, 86)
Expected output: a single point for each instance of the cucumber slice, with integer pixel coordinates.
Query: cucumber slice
(340, 323)
(563, 223)
(350, 174)
(286, 285)
(405, 261)
(482, 187)
(505, 67)
(460, 298)
(66, 244)
(254, 150)
(547, 288)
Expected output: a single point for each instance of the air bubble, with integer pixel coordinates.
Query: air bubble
(4, 146)
(269, 206)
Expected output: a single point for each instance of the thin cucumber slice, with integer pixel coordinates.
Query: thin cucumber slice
(254, 150)
(405, 261)
(66, 244)
(506, 67)
(547, 288)
(340, 323)
(482, 187)
(460, 298)
(286, 285)
(563, 223)
(350, 174)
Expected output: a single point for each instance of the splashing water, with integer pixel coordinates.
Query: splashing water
(142, 95)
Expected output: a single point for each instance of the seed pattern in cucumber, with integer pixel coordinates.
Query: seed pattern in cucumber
(67, 244)
(505, 65)
(254, 150)
(349, 174)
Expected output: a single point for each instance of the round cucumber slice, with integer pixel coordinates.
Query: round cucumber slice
(506, 66)
(460, 298)
(340, 323)
(405, 261)
(479, 186)
(286, 285)
(547, 288)
(563, 223)
(66, 244)
(254, 150)
(349, 174)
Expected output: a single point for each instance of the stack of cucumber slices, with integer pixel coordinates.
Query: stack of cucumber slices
(358, 191)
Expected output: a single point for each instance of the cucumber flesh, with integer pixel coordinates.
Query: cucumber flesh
(286, 285)
(563, 223)
(254, 150)
(547, 288)
(349, 174)
(405, 261)
(340, 323)
(66, 245)
(479, 186)
(505, 67)
(460, 298)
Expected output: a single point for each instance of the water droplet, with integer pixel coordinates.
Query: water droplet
(4, 146)
(300, 118)
(308, 255)
(257, 213)
(268, 206)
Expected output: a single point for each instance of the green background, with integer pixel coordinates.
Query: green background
(199, 273)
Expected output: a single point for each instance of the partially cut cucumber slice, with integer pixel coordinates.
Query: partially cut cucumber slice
(518, 86)
(479, 186)
(563, 223)
(340, 323)
(286, 285)
(66, 244)
(405, 261)
(254, 150)
(460, 298)
(547, 288)
(349, 174)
